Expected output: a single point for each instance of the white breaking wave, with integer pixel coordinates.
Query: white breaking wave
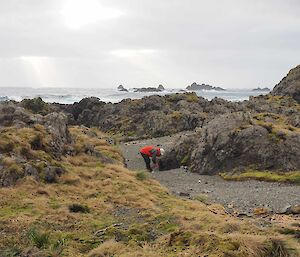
(71, 95)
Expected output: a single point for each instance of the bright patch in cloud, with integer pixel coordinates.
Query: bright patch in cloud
(129, 53)
(79, 13)
(41, 69)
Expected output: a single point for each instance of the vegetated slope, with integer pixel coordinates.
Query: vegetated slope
(96, 207)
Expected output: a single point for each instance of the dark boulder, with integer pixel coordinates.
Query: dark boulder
(51, 174)
(121, 88)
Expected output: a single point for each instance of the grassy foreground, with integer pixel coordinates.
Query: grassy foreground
(99, 208)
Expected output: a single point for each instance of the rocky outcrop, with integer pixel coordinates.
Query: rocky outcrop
(57, 126)
(289, 85)
(265, 89)
(121, 88)
(160, 88)
(198, 87)
(236, 142)
(150, 116)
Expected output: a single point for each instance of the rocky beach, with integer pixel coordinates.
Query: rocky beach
(72, 181)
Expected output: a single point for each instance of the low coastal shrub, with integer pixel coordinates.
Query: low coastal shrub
(36, 105)
(78, 208)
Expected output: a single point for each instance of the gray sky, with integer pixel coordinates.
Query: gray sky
(104, 43)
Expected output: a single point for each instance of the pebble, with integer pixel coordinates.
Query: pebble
(184, 194)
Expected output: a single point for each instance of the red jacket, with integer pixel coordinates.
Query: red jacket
(151, 151)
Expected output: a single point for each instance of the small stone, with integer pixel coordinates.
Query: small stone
(295, 209)
(285, 210)
(230, 206)
(184, 194)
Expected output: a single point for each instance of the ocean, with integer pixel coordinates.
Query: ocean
(71, 95)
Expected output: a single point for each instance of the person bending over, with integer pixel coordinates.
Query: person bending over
(151, 152)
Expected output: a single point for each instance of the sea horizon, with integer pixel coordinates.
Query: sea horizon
(69, 95)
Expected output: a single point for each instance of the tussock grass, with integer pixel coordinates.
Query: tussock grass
(128, 216)
(38, 239)
(142, 175)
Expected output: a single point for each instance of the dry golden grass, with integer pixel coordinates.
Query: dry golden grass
(128, 217)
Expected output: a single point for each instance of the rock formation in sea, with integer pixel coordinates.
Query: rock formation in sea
(265, 89)
(160, 88)
(122, 88)
(198, 87)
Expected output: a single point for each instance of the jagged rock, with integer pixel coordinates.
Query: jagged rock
(57, 125)
(31, 171)
(150, 89)
(265, 89)
(10, 175)
(197, 87)
(161, 88)
(51, 174)
(233, 142)
(289, 85)
(121, 88)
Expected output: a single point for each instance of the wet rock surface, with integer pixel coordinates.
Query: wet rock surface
(242, 197)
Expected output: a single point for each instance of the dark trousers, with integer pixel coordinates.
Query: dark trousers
(147, 161)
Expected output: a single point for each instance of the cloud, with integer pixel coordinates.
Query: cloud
(101, 43)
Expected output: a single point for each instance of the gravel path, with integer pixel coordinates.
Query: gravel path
(242, 196)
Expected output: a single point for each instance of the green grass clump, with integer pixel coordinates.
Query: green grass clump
(275, 248)
(141, 175)
(185, 160)
(202, 198)
(289, 177)
(39, 239)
